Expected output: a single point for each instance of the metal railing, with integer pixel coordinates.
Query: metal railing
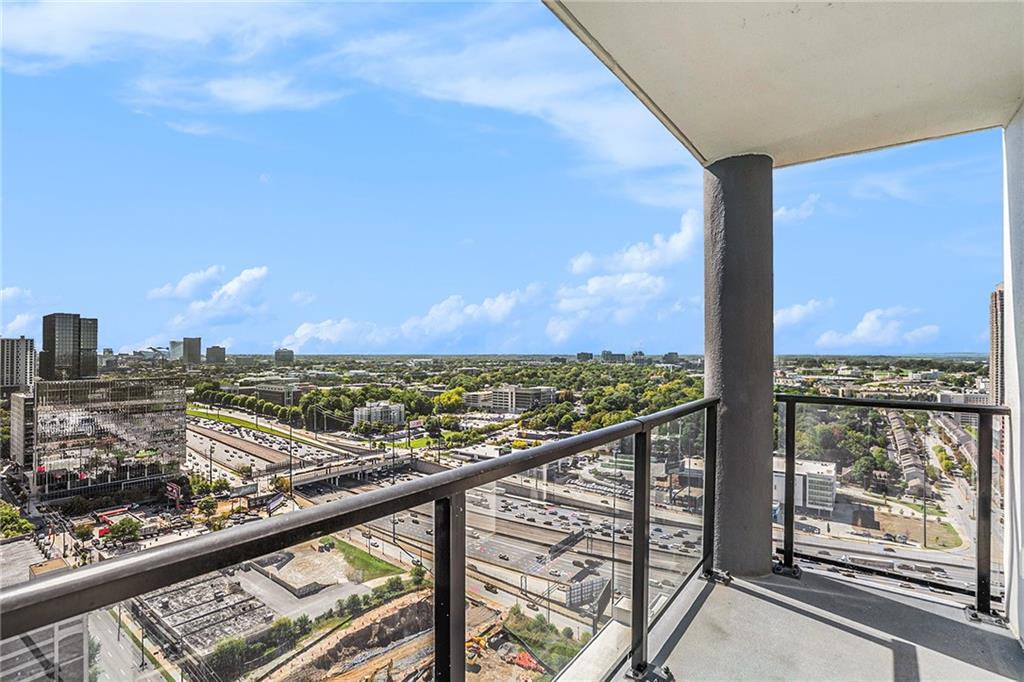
(45, 601)
(983, 541)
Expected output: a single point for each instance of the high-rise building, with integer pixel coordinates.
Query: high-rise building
(216, 355)
(23, 423)
(17, 364)
(996, 385)
(192, 350)
(99, 436)
(175, 351)
(583, 356)
(69, 347)
(284, 356)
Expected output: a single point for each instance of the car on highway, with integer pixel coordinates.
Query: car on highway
(490, 588)
(555, 572)
(503, 556)
(374, 543)
(533, 607)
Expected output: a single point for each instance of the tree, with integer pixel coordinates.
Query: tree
(302, 625)
(200, 487)
(207, 506)
(228, 658)
(393, 584)
(353, 604)
(567, 632)
(450, 401)
(125, 530)
(83, 533)
(417, 573)
(220, 485)
(11, 523)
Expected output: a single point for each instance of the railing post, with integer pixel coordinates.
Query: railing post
(983, 541)
(790, 504)
(710, 484)
(450, 588)
(641, 545)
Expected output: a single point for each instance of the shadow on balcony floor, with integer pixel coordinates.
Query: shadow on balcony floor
(819, 628)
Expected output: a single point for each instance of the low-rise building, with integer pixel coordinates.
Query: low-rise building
(513, 398)
(381, 412)
(951, 398)
(216, 355)
(815, 489)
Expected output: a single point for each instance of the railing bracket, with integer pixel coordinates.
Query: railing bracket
(780, 568)
(714, 575)
(651, 673)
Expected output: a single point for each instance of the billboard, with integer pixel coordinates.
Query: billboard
(584, 592)
(275, 502)
(173, 491)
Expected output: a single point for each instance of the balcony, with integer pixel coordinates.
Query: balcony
(641, 600)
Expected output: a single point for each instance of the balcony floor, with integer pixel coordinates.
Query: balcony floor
(822, 628)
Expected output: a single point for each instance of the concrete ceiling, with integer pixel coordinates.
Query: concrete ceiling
(807, 81)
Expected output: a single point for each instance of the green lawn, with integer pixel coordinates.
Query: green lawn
(369, 566)
(932, 509)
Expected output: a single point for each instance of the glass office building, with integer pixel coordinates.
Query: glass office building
(96, 437)
(69, 346)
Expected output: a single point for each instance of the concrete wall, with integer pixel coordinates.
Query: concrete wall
(1013, 283)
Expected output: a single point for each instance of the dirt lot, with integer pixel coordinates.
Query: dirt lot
(941, 535)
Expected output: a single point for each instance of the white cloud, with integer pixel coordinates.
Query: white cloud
(302, 298)
(920, 334)
(226, 343)
(334, 332)
(19, 324)
(484, 58)
(658, 253)
(264, 179)
(188, 286)
(581, 263)
(453, 313)
(616, 297)
(798, 312)
(196, 128)
(40, 36)
(879, 327)
(239, 94)
(8, 294)
(785, 214)
(231, 302)
(447, 317)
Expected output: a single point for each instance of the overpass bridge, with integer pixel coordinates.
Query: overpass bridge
(334, 472)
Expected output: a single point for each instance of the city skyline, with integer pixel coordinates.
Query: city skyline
(493, 203)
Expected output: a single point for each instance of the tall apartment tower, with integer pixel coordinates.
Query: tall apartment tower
(192, 350)
(17, 364)
(69, 347)
(996, 385)
(175, 351)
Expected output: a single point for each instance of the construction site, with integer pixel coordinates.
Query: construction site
(394, 643)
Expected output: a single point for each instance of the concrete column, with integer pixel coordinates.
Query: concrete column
(738, 355)
(1013, 364)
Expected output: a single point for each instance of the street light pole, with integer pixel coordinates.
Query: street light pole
(291, 487)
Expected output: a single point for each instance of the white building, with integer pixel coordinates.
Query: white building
(512, 398)
(815, 487)
(17, 363)
(383, 412)
(950, 398)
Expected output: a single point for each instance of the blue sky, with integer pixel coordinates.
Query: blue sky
(430, 178)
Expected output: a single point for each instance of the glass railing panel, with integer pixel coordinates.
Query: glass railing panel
(346, 605)
(889, 489)
(677, 504)
(548, 568)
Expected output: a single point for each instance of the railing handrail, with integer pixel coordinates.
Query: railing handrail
(884, 404)
(37, 603)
